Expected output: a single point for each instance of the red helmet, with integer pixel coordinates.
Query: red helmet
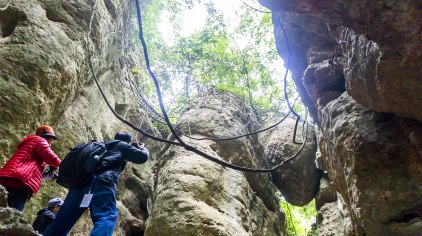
(45, 131)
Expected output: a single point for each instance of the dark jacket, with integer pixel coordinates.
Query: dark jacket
(43, 220)
(114, 161)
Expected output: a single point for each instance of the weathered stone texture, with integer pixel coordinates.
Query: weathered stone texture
(298, 179)
(370, 49)
(11, 220)
(324, 81)
(44, 77)
(194, 196)
(334, 220)
(374, 164)
(381, 40)
(326, 194)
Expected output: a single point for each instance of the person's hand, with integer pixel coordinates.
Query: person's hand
(138, 145)
(49, 173)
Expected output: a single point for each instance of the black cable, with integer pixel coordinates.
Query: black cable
(187, 147)
(295, 131)
(246, 169)
(248, 134)
(117, 115)
(165, 116)
(157, 85)
(286, 96)
(220, 138)
(208, 138)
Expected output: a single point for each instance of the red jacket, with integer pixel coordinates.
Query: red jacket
(28, 162)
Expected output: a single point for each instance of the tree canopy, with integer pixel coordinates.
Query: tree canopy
(239, 58)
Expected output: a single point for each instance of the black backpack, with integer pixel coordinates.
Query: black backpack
(77, 168)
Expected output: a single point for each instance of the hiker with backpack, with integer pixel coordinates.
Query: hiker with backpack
(47, 215)
(100, 193)
(22, 173)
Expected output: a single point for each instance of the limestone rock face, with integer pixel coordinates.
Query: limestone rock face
(323, 82)
(356, 65)
(12, 222)
(37, 79)
(194, 196)
(44, 75)
(381, 73)
(374, 162)
(133, 198)
(332, 220)
(298, 179)
(326, 194)
(45, 78)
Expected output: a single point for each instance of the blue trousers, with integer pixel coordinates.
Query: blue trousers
(103, 211)
(17, 197)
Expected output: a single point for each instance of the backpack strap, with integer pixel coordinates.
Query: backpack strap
(102, 154)
(109, 145)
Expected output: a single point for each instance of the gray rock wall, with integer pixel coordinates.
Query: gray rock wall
(194, 196)
(298, 179)
(12, 222)
(45, 79)
(44, 74)
(383, 60)
(372, 159)
(357, 65)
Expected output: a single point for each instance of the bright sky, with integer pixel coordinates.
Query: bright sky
(194, 19)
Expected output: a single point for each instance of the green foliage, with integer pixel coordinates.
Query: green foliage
(299, 219)
(239, 59)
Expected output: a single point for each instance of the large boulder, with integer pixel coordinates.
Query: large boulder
(298, 179)
(326, 194)
(194, 196)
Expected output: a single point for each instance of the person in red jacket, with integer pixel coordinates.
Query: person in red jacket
(22, 173)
